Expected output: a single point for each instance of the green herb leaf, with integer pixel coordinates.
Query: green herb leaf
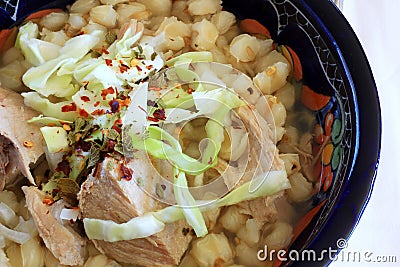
(140, 49)
(94, 155)
(153, 56)
(68, 190)
(79, 124)
(112, 134)
(110, 37)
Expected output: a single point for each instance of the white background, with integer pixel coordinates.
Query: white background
(376, 22)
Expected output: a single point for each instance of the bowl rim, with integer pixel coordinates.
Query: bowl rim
(357, 189)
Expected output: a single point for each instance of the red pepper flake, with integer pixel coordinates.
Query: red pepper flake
(83, 113)
(109, 62)
(177, 96)
(210, 161)
(124, 102)
(98, 112)
(159, 114)
(152, 119)
(170, 57)
(111, 144)
(85, 98)
(149, 67)
(84, 146)
(189, 90)
(69, 108)
(106, 92)
(117, 125)
(48, 201)
(96, 104)
(123, 68)
(126, 172)
(139, 69)
(104, 50)
(64, 167)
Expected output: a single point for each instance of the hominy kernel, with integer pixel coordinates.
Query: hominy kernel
(270, 71)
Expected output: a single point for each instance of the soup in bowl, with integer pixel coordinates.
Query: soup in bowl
(184, 133)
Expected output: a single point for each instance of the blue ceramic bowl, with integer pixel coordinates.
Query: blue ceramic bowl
(335, 65)
(336, 69)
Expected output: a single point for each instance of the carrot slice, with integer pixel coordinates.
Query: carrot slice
(301, 225)
(312, 99)
(294, 60)
(7, 38)
(252, 26)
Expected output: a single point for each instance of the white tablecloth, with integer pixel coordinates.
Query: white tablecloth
(377, 25)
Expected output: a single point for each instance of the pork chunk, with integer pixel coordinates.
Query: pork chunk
(21, 144)
(65, 244)
(107, 195)
(262, 155)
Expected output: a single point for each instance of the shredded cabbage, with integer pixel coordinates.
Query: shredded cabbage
(48, 121)
(56, 138)
(162, 145)
(18, 237)
(186, 201)
(122, 49)
(183, 197)
(7, 214)
(36, 51)
(51, 77)
(203, 56)
(37, 102)
(110, 231)
(154, 222)
(136, 115)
